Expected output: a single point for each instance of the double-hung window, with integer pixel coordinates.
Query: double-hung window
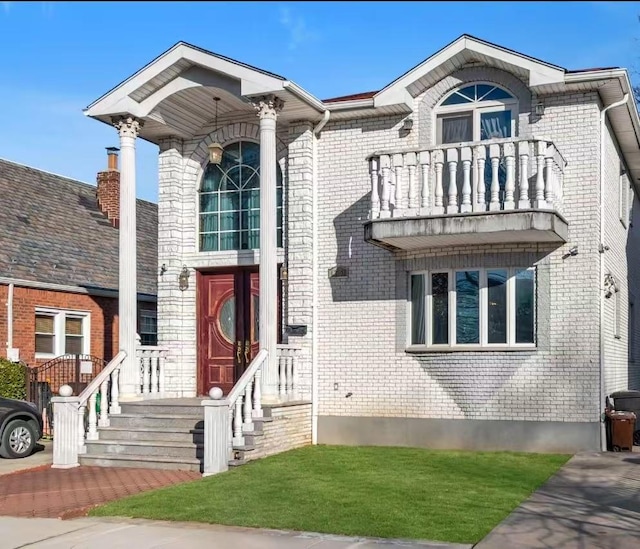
(60, 332)
(148, 327)
(473, 308)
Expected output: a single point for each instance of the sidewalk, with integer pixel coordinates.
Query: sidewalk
(118, 534)
(593, 502)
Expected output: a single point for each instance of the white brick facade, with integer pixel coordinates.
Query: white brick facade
(364, 370)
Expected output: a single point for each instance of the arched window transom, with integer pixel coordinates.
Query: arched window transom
(476, 93)
(476, 112)
(230, 200)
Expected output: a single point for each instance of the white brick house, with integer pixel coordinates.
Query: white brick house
(450, 259)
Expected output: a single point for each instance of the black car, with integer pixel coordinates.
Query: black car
(20, 428)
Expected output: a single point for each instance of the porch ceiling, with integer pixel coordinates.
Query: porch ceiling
(174, 94)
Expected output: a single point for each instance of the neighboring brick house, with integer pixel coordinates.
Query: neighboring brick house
(454, 250)
(59, 268)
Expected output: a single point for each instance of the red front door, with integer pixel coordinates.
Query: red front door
(227, 326)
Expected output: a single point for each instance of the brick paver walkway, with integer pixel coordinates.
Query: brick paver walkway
(64, 493)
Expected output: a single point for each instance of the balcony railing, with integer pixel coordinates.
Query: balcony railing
(487, 176)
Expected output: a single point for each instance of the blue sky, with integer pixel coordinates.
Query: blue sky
(57, 57)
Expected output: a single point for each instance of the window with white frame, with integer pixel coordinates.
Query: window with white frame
(59, 332)
(476, 112)
(473, 308)
(148, 327)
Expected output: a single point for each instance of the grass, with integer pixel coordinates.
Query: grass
(359, 491)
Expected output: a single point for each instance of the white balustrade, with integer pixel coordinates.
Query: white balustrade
(151, 360)
(79, 417)
(487, 176)
(288, 370)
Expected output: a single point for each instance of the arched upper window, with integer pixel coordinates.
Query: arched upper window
(230, 200)
(476, 112)
(476, 93)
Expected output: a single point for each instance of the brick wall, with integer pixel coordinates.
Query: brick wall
(103, 313)
(633, 265)
(290, 428)
(362, 318)
(181, 166)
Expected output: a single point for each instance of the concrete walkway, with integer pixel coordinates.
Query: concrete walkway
(593, 502)
(42, 456)
(85, 533)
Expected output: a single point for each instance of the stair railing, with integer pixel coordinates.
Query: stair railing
(71, 426)
(226, 420)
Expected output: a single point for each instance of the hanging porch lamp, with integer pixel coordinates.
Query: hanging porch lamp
(215, 149)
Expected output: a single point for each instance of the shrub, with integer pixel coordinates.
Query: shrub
(12, 380)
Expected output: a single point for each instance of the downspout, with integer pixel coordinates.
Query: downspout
(601, 249)
(314, 299)
(9, 319)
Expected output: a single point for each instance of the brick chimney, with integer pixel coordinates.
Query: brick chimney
(108, 192)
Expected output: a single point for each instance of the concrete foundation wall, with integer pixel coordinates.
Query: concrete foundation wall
(454, 434)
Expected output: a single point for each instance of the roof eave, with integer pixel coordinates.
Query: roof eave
(540, 72)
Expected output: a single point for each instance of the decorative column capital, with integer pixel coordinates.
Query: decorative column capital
(127, 126)
(268, 106)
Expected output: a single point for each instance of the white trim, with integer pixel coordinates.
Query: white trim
(59, 333)
(252, 81)
(539, 72)
(483, 327)
(476, 109)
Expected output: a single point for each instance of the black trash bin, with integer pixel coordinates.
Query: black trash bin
(629, 401)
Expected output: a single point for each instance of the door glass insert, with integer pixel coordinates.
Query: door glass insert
(255, 306)
(227, 319)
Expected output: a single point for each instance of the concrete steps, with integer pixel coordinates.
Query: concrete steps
(166, 434)
(184, 450)
(141, 462)
(162, 434)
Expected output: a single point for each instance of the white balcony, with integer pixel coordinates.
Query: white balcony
(495, 191)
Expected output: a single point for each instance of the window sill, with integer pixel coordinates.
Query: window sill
(44, 356)
(423, 349)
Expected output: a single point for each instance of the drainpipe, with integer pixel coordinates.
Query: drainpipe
(314, 300)
(10, 318)
(601, 249)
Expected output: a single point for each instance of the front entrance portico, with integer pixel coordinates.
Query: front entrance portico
(171, 102)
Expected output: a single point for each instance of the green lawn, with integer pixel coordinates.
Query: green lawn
(367, 491)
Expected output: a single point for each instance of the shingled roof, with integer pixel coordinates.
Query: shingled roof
(53, 231)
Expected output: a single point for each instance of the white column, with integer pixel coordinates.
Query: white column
(268, 108)
(128, 128)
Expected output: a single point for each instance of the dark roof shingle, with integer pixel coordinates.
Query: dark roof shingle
(53, 231)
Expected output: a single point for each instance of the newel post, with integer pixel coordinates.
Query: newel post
(65, 442)
(216, 433)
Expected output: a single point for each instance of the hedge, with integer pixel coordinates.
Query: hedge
(12, 380)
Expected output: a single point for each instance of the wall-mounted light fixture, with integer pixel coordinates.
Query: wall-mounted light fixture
(215, 149)
(610, 285)
(572, 251)
(538, 109)
(163, 269)
(407, 125)
(183, 278)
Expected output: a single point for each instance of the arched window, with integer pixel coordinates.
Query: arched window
(476, 112)
(230, 200)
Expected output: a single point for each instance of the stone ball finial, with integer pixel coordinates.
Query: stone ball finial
(215, 393)
(65, 391)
